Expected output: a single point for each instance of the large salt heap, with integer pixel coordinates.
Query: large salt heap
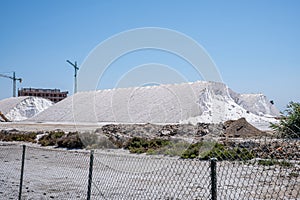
(200, 101)
(22, 108)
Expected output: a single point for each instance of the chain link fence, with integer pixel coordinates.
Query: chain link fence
(115, 174)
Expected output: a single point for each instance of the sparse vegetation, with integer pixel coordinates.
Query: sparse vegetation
(294, 174)
(143, 145)
(271, 162)
(289, 124)
(25, 137)
(216, 150)
(96, 141)
(70, 141)
(59, 138)
(192, 151)
(51, 138)
(201, 150)
(174, 148)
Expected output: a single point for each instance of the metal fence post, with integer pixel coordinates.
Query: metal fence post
(90, 175)
(213, 176)
(22, 172)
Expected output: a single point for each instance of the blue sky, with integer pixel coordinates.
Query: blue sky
(255, 44)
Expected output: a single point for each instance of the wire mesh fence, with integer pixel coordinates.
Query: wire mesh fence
(65, 174)
(55, 174)
(10, 170)
(150, 177)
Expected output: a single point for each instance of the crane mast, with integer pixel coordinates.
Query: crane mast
(75, 74)
(14, 81)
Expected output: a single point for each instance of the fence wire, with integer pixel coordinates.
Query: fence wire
(10, 170)
(63, 174)
(237, 180)
(150, 177)
(55, 174)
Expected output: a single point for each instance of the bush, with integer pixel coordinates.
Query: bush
(289, 124)
(51, 138)
(59, 138)
(192, 151)
(71, 141)
(143, 145)
(96, 141)
(176, 147)
(216, 150)
(24, 137)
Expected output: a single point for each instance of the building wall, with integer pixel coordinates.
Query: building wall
(55, 95)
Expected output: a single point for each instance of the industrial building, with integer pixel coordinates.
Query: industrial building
(54, 95)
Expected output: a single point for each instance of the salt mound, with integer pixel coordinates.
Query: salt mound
(201, 101)
(256, 103)
(22, 108)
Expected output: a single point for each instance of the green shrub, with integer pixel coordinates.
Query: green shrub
(174, 148)
(25, 137)
(289, 123)
(216, 150)
(192, 151)
(51, 138)
(143, 145)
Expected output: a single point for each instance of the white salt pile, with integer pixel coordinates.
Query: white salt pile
(200, 101)
(22, 108)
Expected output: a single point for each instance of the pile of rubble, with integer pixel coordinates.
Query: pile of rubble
(233, 134)
(121, 133)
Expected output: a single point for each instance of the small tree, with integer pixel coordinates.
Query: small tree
(289, 123)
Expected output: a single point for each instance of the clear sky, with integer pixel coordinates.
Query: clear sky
(255, 44)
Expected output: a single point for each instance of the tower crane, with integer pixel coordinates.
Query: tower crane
(14, 81)
(75, 74)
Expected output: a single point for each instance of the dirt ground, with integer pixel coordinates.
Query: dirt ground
(49, 126)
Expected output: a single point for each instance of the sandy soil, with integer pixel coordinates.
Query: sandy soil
(63, 174)
(50, 126)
